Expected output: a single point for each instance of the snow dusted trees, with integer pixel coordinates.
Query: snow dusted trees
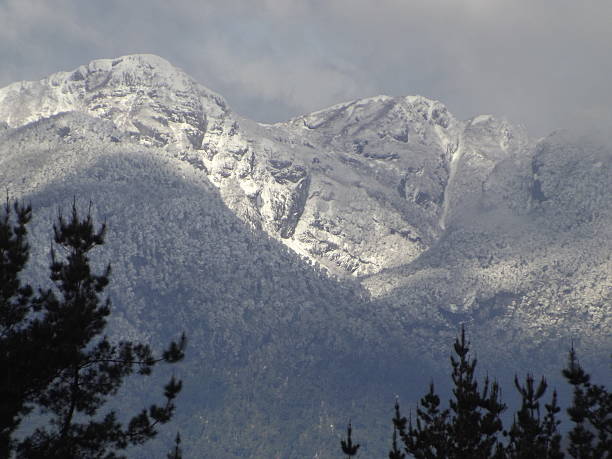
(54, 355)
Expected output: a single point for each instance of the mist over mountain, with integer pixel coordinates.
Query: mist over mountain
(322, 265)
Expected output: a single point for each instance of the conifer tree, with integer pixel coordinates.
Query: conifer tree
(14, 307)
(471, 428)
(399, 426)
(531, 435)
(591, 413)
(347, 445)
(551, 424)
(475, 415)
(176, 452)
(55, 341)
(14, 254)
(429, 439)
(395, 452)
(26, 363)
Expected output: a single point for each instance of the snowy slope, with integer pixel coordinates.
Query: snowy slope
(370, 189)
(424, 221)
(308, 182)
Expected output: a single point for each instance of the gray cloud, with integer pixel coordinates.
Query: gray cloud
(544, 63)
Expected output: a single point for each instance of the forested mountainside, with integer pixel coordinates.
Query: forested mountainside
(320, 266)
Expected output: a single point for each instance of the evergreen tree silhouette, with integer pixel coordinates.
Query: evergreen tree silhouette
(471, 428)
(429, 438)
(591, 413)
(347, 445)
(399, 427)
(551, 424)
(395, 452)
(15, 372)
(468, 429)
(531, 435)
(55, 343)
(475, 415)
(176, 453)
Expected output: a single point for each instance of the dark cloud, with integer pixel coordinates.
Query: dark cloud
(544, 63)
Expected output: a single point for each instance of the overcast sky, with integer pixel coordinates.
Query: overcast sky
(541, 63)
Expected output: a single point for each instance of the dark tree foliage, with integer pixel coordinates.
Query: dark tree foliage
(399, 426)
(176, 452)
(591, 413)
(469, 429)
(472, 428)
(71, 369)
(347, 445)
(551, 424)
(15, 298)
(475, 419)
(395, 452)
(533, 435)
(430, 437)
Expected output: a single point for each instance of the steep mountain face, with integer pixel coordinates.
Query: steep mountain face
(231, 229)
(359, 187)
(270, 337)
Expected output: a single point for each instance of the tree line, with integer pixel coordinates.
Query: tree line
(471, 426)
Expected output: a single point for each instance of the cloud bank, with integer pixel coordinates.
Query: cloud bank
(544, 63)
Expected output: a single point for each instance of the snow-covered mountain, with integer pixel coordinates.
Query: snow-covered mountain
(359, 187)
(360, 233)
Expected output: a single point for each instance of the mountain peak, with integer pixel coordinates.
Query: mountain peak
(134, 61)
(382, 113)
(137, 69)
(142, 94)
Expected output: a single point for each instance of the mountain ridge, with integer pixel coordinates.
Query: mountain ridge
(358, 188)
(385, 214)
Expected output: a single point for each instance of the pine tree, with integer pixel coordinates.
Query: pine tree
(14, 254)
(26, 363)
(591, 413)
(57, 338)
(531, 436)
(551, 432)
(471, 427)
(395, 452)
(399, 427)
(15, 374)
(347, 445)
(475, 420)
(429, 439)
(176, 452)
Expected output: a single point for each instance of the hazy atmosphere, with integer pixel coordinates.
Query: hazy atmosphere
(423, 179)
(545, 64)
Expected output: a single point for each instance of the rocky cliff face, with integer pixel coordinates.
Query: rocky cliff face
(369, 189)
(424, 220)
(358, 187)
